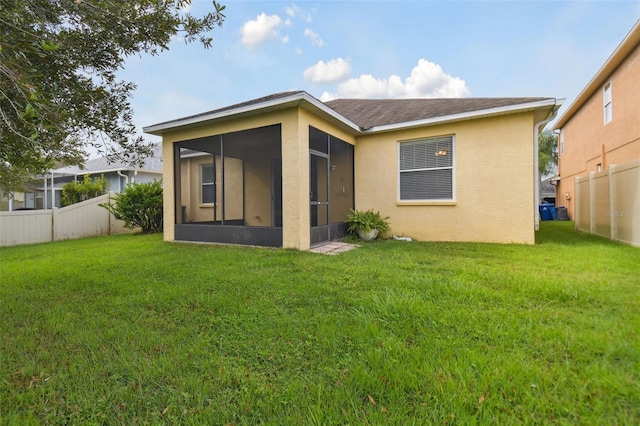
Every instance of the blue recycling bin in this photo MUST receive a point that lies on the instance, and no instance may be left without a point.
(547, 212)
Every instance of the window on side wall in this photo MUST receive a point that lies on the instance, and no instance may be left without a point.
(561, 141)
(608, 105)
(426, 169)
(207, 184)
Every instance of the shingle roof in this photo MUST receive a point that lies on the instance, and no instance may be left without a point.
(152, 163)
(368, 113)
(361, 114)
(257, 101)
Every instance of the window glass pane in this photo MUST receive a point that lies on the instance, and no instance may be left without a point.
(426, 154)
(426, 169)
(208, 193)
(427, 185)
(207, 173)
(607, 104)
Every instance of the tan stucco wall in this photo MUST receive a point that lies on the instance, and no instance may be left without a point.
(586, 136)
(493, 178)
(493, 182)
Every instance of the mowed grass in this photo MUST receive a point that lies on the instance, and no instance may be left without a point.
(133, 330)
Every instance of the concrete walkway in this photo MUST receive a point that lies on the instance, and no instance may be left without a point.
(333, 247)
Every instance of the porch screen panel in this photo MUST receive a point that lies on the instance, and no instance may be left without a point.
(341, 179)
(233, 190)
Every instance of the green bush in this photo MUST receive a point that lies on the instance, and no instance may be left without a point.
(75, 192)
(366, 221)
(139, 206)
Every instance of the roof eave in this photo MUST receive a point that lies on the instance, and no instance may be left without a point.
(300, 99)
(623, 50)
(510, 109)
(93, 172)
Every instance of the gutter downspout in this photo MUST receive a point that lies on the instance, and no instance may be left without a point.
(126, 179)
(536, 172)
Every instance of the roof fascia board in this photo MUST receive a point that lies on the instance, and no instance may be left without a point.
(296, 99)
(510, 109)
(93, 172)
(618, 56)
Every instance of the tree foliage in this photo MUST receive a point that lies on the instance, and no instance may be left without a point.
(75, 192)
(139, 206)
(547, 153)
(58, 85)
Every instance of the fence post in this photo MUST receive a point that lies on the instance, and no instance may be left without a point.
(109, 214)
(613, 202)
(54, 231)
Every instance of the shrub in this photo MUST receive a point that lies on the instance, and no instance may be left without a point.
(75, 192)
(139, 206)
(365, 221)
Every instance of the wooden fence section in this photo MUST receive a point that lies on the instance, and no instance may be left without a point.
(608, 203)
(85, 219)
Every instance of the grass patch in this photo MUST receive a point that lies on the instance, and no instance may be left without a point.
(129, 329)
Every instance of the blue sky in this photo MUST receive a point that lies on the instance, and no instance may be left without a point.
(377, 49)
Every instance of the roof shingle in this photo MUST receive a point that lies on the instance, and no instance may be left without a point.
(368, 113)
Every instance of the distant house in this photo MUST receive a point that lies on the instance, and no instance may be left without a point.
(602, 125)
(548, 190)
(40, 193)
(285, 169)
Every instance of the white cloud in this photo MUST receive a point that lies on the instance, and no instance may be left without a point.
(315, 38)
(285, 39)
(328, 96)
(260, 30)
(427, 80)
(323, 72)
(295, 12)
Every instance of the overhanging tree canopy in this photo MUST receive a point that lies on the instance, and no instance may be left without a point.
(58, 85)
(547, 153)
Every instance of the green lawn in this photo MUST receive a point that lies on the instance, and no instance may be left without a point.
(132, 330)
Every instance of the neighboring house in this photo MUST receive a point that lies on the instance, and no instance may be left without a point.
(39, 194)
(548, 190)
(602, 125)
(285, 169)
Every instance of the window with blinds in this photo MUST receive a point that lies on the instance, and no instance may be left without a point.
(207, 182)
(426, 169)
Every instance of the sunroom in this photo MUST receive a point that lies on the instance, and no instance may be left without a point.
(244, 181)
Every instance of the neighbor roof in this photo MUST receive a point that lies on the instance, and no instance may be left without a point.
(102, 165)
(360, 116)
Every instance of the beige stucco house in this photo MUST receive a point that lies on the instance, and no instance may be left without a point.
(285, 169)
(602, 125)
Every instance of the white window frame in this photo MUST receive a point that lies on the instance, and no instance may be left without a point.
(607, 103)
(203, 183)
(561, 141)
(452, 167)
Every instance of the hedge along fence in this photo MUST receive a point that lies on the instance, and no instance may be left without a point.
(608, 203)
(84, 219)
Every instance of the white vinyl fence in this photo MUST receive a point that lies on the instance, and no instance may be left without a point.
(608, 203)
(85, 219)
